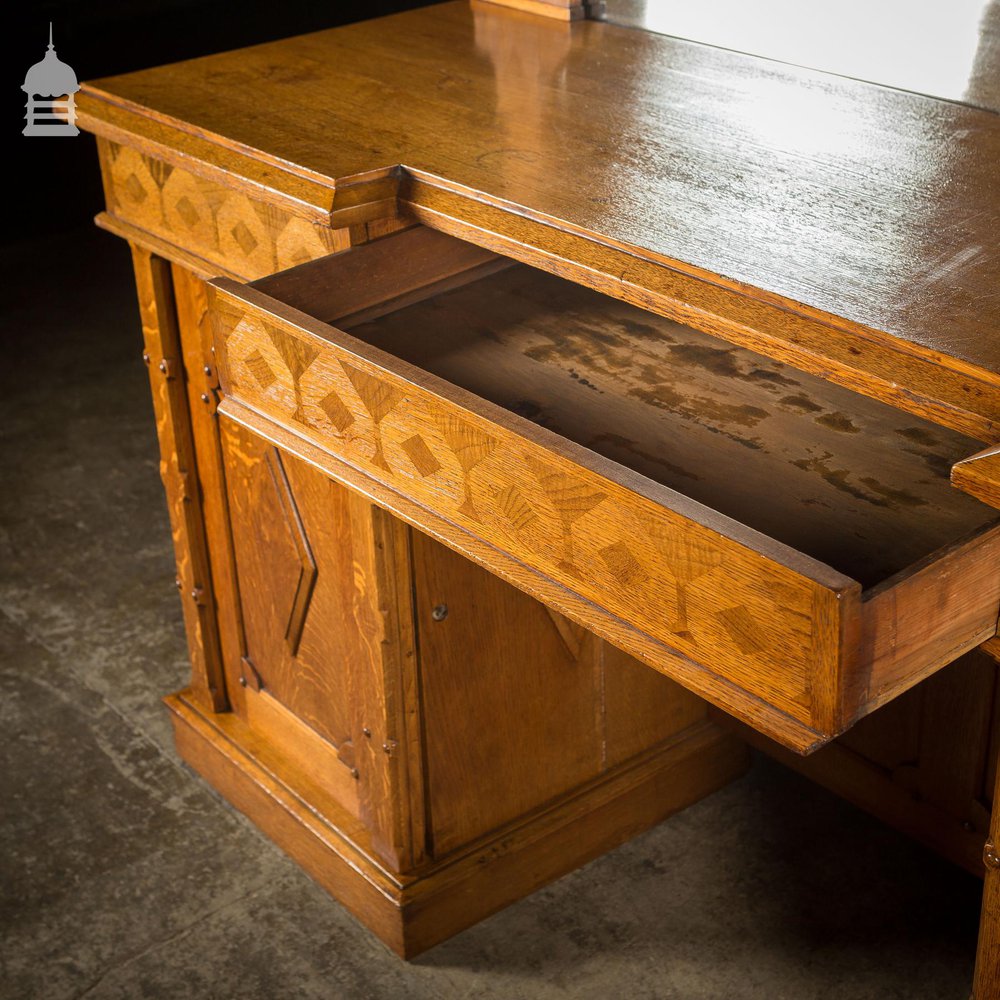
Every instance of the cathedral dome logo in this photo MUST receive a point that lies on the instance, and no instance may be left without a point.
(50, 86)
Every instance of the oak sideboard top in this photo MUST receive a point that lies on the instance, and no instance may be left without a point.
(847, 227)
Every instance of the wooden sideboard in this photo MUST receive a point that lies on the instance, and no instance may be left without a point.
(547, 408)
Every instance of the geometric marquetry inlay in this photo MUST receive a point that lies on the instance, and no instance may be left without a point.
(223, 226)
(187, 211)
(470, 446)
(623, 565)
(260, 370)
(378, 398)
(420, 455)
(246, 239)
(683, 584)
(337, 412)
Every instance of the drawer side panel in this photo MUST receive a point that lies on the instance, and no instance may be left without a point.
(926, 618)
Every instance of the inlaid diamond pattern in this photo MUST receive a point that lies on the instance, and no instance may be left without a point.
(135, 190)
(246, 240)
(260, 370)
(333, 406)
(624, 567)
(217, 222)
(187, 211)
(420, 455)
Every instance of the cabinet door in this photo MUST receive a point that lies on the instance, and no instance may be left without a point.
(325, 632)
(520, 704)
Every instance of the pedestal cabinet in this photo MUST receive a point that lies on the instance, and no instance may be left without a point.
(430, 742)
(510, 496)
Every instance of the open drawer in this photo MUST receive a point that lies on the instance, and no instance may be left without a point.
(786, 548)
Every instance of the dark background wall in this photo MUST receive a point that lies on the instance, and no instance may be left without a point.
(53, 183)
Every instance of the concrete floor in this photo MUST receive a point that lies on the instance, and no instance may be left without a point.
(122, 875)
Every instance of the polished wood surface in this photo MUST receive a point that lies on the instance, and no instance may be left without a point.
(946, 50)
(563, 10)
(979, 476)
(838, 228)
(200, 377)
(581, 610)
(291, 531)
(867, 210)
(917, 384)
(327, 640)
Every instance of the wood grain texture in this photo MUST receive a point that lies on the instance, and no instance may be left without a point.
(240, 169)
(384, 697)
(704, 585)
(918, 622)
(903, 763)
(640, 708)
(229, 229)
(384, 276)
(291, 535)
(853, 483)
(411, 913)
(318, 833)
(325, 606)
(890, 371)
(691, 158)
(508, 706)
(692, 675)
(518, 702)
(526, 856)
(178, 470)
(979, 476)
(194, 325)
(952, 773)
(947, 51)
(320, 763)
(861, 782)
(570, 11)
(194, 264)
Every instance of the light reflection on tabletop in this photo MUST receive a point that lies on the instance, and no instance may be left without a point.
(943, 49)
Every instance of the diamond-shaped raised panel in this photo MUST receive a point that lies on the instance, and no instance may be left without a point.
(307, 562)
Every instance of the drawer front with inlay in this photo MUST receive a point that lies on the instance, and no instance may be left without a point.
(693, 541)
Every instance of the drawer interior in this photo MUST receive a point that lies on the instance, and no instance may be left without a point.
(852, 482)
